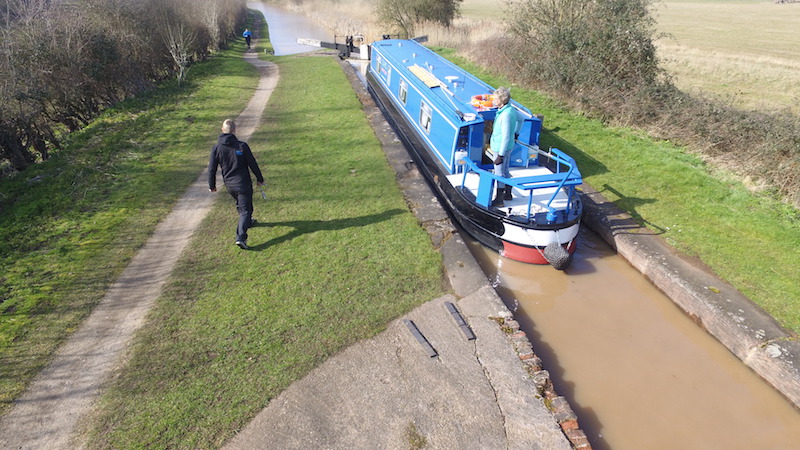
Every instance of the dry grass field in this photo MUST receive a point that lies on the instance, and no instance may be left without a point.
(746, 52)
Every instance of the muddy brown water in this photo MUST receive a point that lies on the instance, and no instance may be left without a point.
(638, 372)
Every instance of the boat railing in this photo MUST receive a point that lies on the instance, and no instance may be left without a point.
(565, 176)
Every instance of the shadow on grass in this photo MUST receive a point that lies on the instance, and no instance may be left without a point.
(302, 227)
(590, 166)
(586, 164)
(630, 204)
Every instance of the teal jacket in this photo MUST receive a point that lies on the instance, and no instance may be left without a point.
(505, 126)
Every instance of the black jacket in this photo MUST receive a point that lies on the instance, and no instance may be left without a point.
(236, 161)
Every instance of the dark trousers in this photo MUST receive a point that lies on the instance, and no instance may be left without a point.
(502, 169)
(247, 39)
(244, 205)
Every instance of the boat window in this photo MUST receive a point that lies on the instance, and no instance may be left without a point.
(425, 117)
(403, 91)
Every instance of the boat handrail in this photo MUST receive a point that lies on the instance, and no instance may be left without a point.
(569, 178)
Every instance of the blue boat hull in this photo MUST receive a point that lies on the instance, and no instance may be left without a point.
(488, 225)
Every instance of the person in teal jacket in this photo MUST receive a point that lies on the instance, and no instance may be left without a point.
(502, 140)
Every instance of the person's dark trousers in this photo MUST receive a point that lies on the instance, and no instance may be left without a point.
(244, 204)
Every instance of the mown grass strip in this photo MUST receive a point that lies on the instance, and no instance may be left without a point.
(70, 225)
(336, 255)
(749, 240)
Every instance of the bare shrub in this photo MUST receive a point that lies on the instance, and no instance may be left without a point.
(61, 63)
(600, 50)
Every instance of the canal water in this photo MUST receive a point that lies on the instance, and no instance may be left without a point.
(639, 373)
(285, 28)
(636, 370)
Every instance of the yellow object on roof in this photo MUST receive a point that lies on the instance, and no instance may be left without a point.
(428, 78)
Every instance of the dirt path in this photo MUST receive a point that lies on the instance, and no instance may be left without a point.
(48, 414)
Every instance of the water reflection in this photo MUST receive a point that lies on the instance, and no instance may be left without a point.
(285, 27)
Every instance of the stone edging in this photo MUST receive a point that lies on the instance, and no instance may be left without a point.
(558, 405)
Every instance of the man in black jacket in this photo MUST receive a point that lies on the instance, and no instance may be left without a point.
(236, 160)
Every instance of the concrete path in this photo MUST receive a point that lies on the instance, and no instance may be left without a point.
(49, 414)
(389, 393)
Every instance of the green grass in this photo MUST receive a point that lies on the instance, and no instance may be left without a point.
(748, 240)
(336, 255)
(65, 238)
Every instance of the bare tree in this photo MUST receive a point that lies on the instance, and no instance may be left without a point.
(404, 15)
(179, 40)
(398, 15)
(210, 14)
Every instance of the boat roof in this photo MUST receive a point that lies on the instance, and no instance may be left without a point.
(451, 85)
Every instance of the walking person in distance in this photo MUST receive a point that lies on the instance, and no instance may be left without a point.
(247, 34)
(237, 161)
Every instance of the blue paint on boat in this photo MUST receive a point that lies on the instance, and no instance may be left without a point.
(444, 117)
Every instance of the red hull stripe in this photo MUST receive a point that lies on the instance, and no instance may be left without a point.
(530, 255)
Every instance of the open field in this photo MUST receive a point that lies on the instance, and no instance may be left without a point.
(746, 52)
(483, 9)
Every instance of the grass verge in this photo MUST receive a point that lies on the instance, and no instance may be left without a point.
(335, 255)
(69, 226)
(748, 240)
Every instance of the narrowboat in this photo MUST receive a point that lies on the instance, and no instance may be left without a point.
(444, 116)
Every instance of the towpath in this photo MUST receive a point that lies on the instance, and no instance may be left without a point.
(49, 414)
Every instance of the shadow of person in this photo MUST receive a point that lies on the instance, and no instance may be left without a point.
(301, 227)
(635, 221)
